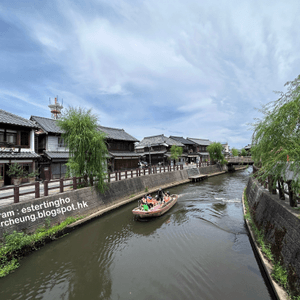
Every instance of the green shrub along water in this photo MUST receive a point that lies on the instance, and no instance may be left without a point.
(279, 273)
(17, 244)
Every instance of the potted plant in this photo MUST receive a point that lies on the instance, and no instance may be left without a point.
(31, 176)
(1, 181)
(15, 171)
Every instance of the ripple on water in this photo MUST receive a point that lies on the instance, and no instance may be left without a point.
(197, 250)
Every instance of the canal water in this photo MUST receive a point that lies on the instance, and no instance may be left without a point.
(198, 250)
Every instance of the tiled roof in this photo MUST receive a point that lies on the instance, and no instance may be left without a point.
(203, 153)
(7, 154)
(57, 154)
(182, 140)
(158, 140)
(9, 118)
(48, 125)
(125, 154)
(154, 152)
(200, 142)
(117, 134)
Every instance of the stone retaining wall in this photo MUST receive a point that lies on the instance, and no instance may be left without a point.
(281, 227)
(28, 215)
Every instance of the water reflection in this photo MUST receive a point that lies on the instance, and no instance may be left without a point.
(197, 250)
(220, 207)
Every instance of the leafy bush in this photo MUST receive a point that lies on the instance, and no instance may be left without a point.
(19, 240)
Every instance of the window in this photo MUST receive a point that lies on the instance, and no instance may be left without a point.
(11, 136)
(24, 138)
(61, 142)
(1, 135)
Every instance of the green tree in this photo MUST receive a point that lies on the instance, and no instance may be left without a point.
(276, 136)
(176, 152)
(243, 152)
(235, 152)
(215, 152)
(87, 149)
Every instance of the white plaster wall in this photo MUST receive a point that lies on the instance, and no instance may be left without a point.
(52, 144)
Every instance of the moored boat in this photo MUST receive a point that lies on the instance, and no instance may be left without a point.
(158, 208)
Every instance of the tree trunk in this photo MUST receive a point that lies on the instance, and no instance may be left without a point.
(292, 196)
(281, 190)
(272, 190)
(270, 183)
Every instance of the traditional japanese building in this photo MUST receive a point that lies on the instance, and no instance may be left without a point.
(156, 150)
(51, 147)
(16, 144)
(226, 149)
(201, 148)
(189, 151)
(120, 146)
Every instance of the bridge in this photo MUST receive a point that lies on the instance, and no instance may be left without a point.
(243, 160)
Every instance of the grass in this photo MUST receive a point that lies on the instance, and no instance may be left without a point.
(279, 273)
(11, 249)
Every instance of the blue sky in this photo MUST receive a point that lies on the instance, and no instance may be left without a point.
(188, 68)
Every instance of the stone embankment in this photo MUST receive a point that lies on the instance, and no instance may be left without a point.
(29, 215)
(281, 227)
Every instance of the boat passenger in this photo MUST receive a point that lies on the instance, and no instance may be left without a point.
(167, 197)
(160, 195)
(144, 200)
(149, 202)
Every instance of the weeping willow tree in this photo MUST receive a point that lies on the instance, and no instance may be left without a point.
(87, 149)
(276, 137)
(215, 151)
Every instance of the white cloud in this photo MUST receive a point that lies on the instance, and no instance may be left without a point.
(204, 65)
(14, 96)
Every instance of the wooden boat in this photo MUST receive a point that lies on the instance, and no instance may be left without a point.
(157, 210)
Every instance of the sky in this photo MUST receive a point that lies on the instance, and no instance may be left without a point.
(192, 68)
